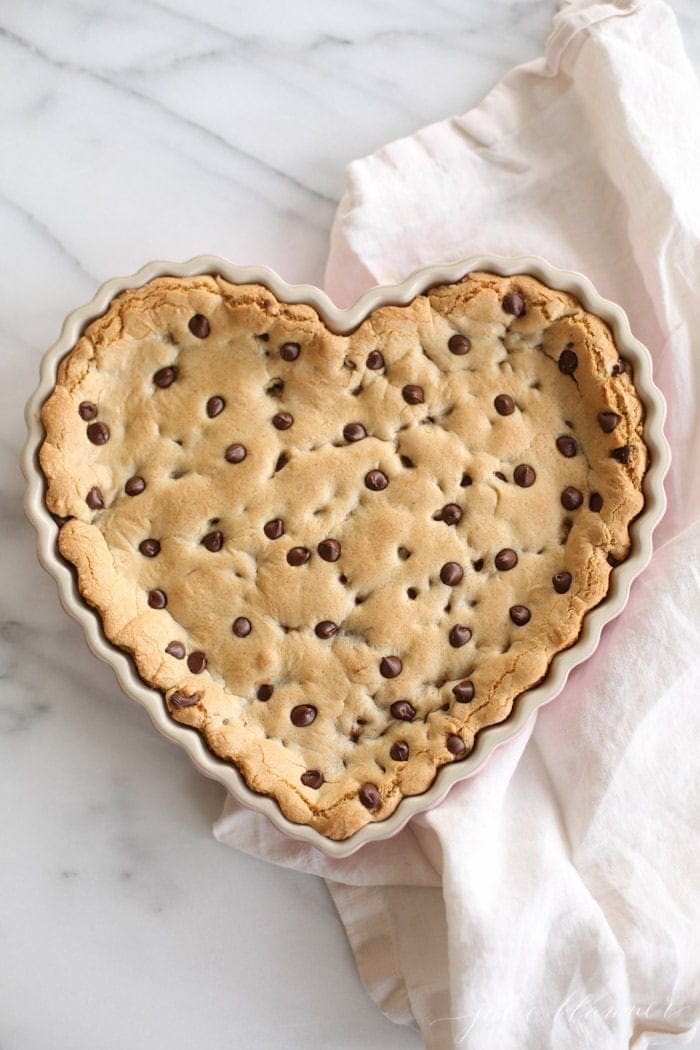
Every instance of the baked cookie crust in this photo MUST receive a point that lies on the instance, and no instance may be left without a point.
(341, 556)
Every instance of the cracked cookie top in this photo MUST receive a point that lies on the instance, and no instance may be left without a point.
(340, 556)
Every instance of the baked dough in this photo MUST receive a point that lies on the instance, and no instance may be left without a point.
(341, 556)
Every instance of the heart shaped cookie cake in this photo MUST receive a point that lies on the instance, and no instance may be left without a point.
(341, 556)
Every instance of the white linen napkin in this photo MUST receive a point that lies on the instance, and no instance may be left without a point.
(552, 900)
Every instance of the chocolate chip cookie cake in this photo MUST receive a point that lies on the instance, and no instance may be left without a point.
(339, 557)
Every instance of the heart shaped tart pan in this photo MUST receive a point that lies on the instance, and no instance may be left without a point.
(341, 552)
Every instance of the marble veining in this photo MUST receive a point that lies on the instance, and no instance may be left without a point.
(134, 130)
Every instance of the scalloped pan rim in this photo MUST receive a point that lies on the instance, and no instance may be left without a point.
(343, 321)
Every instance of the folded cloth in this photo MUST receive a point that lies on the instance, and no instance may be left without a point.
(552, 900)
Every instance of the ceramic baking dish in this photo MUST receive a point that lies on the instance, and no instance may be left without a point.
(342, 321)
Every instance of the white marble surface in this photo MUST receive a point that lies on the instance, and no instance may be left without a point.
(130, 130)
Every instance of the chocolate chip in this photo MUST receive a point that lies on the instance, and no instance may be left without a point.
(213, 541)
(149, 548)
(274, 529)
(619, 367)
(524, 476)
(283, 420)
(399, 751)
(199, 326)
(235, 454)
(241, 627)
(157, 599)
(451, 573)
(312, 778)
(459, 635)
(354, 432)
(94, 499)
(568, 362)
(175, 649)
(561, 581)
(197, 661)
(298, 555)
(98, 433)
(178, 699)
(135, 486)
(412, 593)
(506, 559)
(567, 445)
(413, 394)
(215, 406)
(504, 405)
(403, 553)
(463, 691)
(466, 481)
(459, 344)
(456, 746)
(376, 480)
(165, 377)
(608, 421)
(87, 410)
(303, 715)
(595, 502)
(390, 666)
(451, 514)
(282, 461)
(264, 692)
(325, 629)
(329, 549)
(500, 475)
(478, 564)
(623, 454)
(402, 710)
(566, 527)
(375, 361)
(519, 614)
(513, 303)
(571, 498)
(612, 561)
(370, 796)
(275, 387)
(290, 351)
